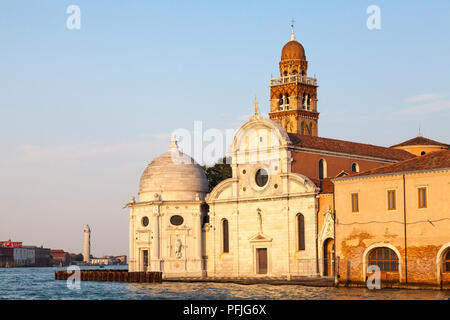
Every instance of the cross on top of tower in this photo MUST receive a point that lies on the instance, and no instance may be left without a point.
(292, 26)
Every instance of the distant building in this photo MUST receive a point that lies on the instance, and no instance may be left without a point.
(121, 259)
(24, 257)
(73, 258)
(10, 244)
(60, 257)
(102, 261)
(6, 257)
(42, 256)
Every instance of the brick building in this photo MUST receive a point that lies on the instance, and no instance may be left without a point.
(42, 256)
(398, 218)
(6, 257)
(60, 257)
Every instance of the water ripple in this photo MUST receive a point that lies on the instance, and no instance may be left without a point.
(39, 283)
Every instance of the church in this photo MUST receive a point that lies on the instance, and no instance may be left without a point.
(275, 217)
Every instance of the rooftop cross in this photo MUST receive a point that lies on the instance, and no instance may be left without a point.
(292, 26)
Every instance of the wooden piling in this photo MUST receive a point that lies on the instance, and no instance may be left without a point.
(112, 275)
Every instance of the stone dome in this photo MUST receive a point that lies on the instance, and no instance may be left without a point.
(173, 176)
(293, 50)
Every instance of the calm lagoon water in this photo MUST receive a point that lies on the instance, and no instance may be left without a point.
(39, 283)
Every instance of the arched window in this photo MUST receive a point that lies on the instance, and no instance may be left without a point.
(304, 101)
(300, 232)
(225, 238)
(385, 258)
(322, 169)
(285, 73)
(355, 167)
(280, 99)
(447, 261)
(302, 131)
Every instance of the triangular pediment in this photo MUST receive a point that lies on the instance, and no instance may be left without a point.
(260, 237)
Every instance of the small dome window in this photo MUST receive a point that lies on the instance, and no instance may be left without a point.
(176, 220)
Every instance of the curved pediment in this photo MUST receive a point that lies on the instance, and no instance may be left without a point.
(224, 190)
(299, 183)
(260, 138)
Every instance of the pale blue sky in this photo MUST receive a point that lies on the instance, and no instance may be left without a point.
(83, 111)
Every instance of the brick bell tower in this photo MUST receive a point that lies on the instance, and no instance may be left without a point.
(293, 96)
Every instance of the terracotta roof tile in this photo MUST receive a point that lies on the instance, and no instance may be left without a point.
(418, 141)
(348, 147)
(325, 185)
(431, 161)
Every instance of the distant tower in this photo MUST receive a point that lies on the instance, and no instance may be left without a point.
(293, 96)
(87, 244)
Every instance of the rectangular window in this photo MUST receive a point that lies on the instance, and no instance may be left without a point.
(422, 197)
(355, 202)
(226, 243)
(301, 232)
(145, 258)
(391, 200)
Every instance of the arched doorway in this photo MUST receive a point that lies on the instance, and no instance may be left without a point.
(328, 257)
(388, 261)
(446, 266)
(445, 269)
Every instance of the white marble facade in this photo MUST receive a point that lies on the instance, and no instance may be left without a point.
(261, 214)
(165, 225)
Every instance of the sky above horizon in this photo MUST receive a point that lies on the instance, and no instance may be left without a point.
(82, 112)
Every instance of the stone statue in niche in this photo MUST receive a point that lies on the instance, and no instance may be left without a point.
(258, 211)
(178, 247)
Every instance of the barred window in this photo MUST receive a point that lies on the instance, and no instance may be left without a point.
(422, 197)
(355, 202)
(385, 258)
(391, 200)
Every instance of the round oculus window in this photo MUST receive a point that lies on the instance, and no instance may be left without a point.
(261, 177)
(176, 220)
(145, 221)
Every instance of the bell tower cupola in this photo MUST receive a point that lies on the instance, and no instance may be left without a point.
(293, 95)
